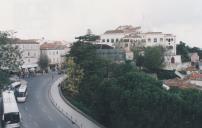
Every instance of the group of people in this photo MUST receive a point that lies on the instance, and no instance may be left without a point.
(27, 73)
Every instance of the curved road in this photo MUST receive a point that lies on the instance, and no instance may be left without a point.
(38, 111)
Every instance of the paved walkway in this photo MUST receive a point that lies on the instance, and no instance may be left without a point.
(67, 109)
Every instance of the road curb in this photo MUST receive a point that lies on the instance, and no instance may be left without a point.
(56, 105)
(71, 112)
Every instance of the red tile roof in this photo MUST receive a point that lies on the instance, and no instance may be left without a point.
(52, 46)
(20, 41)
(114, 31)
(153, 33)
(123, 29)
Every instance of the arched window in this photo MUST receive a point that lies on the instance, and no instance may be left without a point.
(172, 60)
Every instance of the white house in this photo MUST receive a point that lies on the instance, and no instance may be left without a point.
(131, 41)
(129, 37)
(56, 53)
(194, 57)
(111, 37)
(168, 41)
(30, 52)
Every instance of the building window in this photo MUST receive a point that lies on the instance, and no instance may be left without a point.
(107, 40)
(161, 39)
(57, 52)
(149, 39)
(103, 40)
(28, 53)
(112, 40)
(126, 45)
(172, 60)
(29, 60)
(126, 40)
(117, 40)
(168, 39)
(155, 40)
(171, 39)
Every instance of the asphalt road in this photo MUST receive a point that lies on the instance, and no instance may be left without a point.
(38, 111)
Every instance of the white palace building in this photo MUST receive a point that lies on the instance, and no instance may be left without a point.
(129, 37)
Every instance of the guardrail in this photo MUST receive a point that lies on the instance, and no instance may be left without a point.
(71, 112)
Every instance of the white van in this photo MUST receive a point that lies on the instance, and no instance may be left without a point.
(22, 93)
(11, 114)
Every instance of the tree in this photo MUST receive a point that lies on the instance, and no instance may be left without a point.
(10, 55)
(89, 37)
(43, 62)
(140, 60)
(129, 97)
(153, 58)
(183, 50)
(4, 78)
(138, 57)
(74, 76)
(4, 38)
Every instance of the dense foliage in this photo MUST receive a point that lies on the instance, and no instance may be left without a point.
(166, 74)
(74, 76)
(10, 57)
(184, 50)
(152, 59)
(120, 96)
(3, 78)
(43, 61)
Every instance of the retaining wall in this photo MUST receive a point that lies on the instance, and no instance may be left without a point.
(68, 110)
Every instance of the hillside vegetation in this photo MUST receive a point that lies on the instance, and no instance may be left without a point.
(121, 96)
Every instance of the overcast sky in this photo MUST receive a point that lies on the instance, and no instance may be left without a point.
(65, 19)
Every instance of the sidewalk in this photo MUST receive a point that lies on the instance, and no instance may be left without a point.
(67, 109)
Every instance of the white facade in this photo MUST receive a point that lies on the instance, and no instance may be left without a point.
(30, 52)
(172, 62)
(130, 42)
(168, 41)
(111, 39)
(134, 36)
(129, 37)
(55, 56)
(55, 52)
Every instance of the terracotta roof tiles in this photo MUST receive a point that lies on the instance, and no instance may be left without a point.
(52, 46)
(20, 41)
